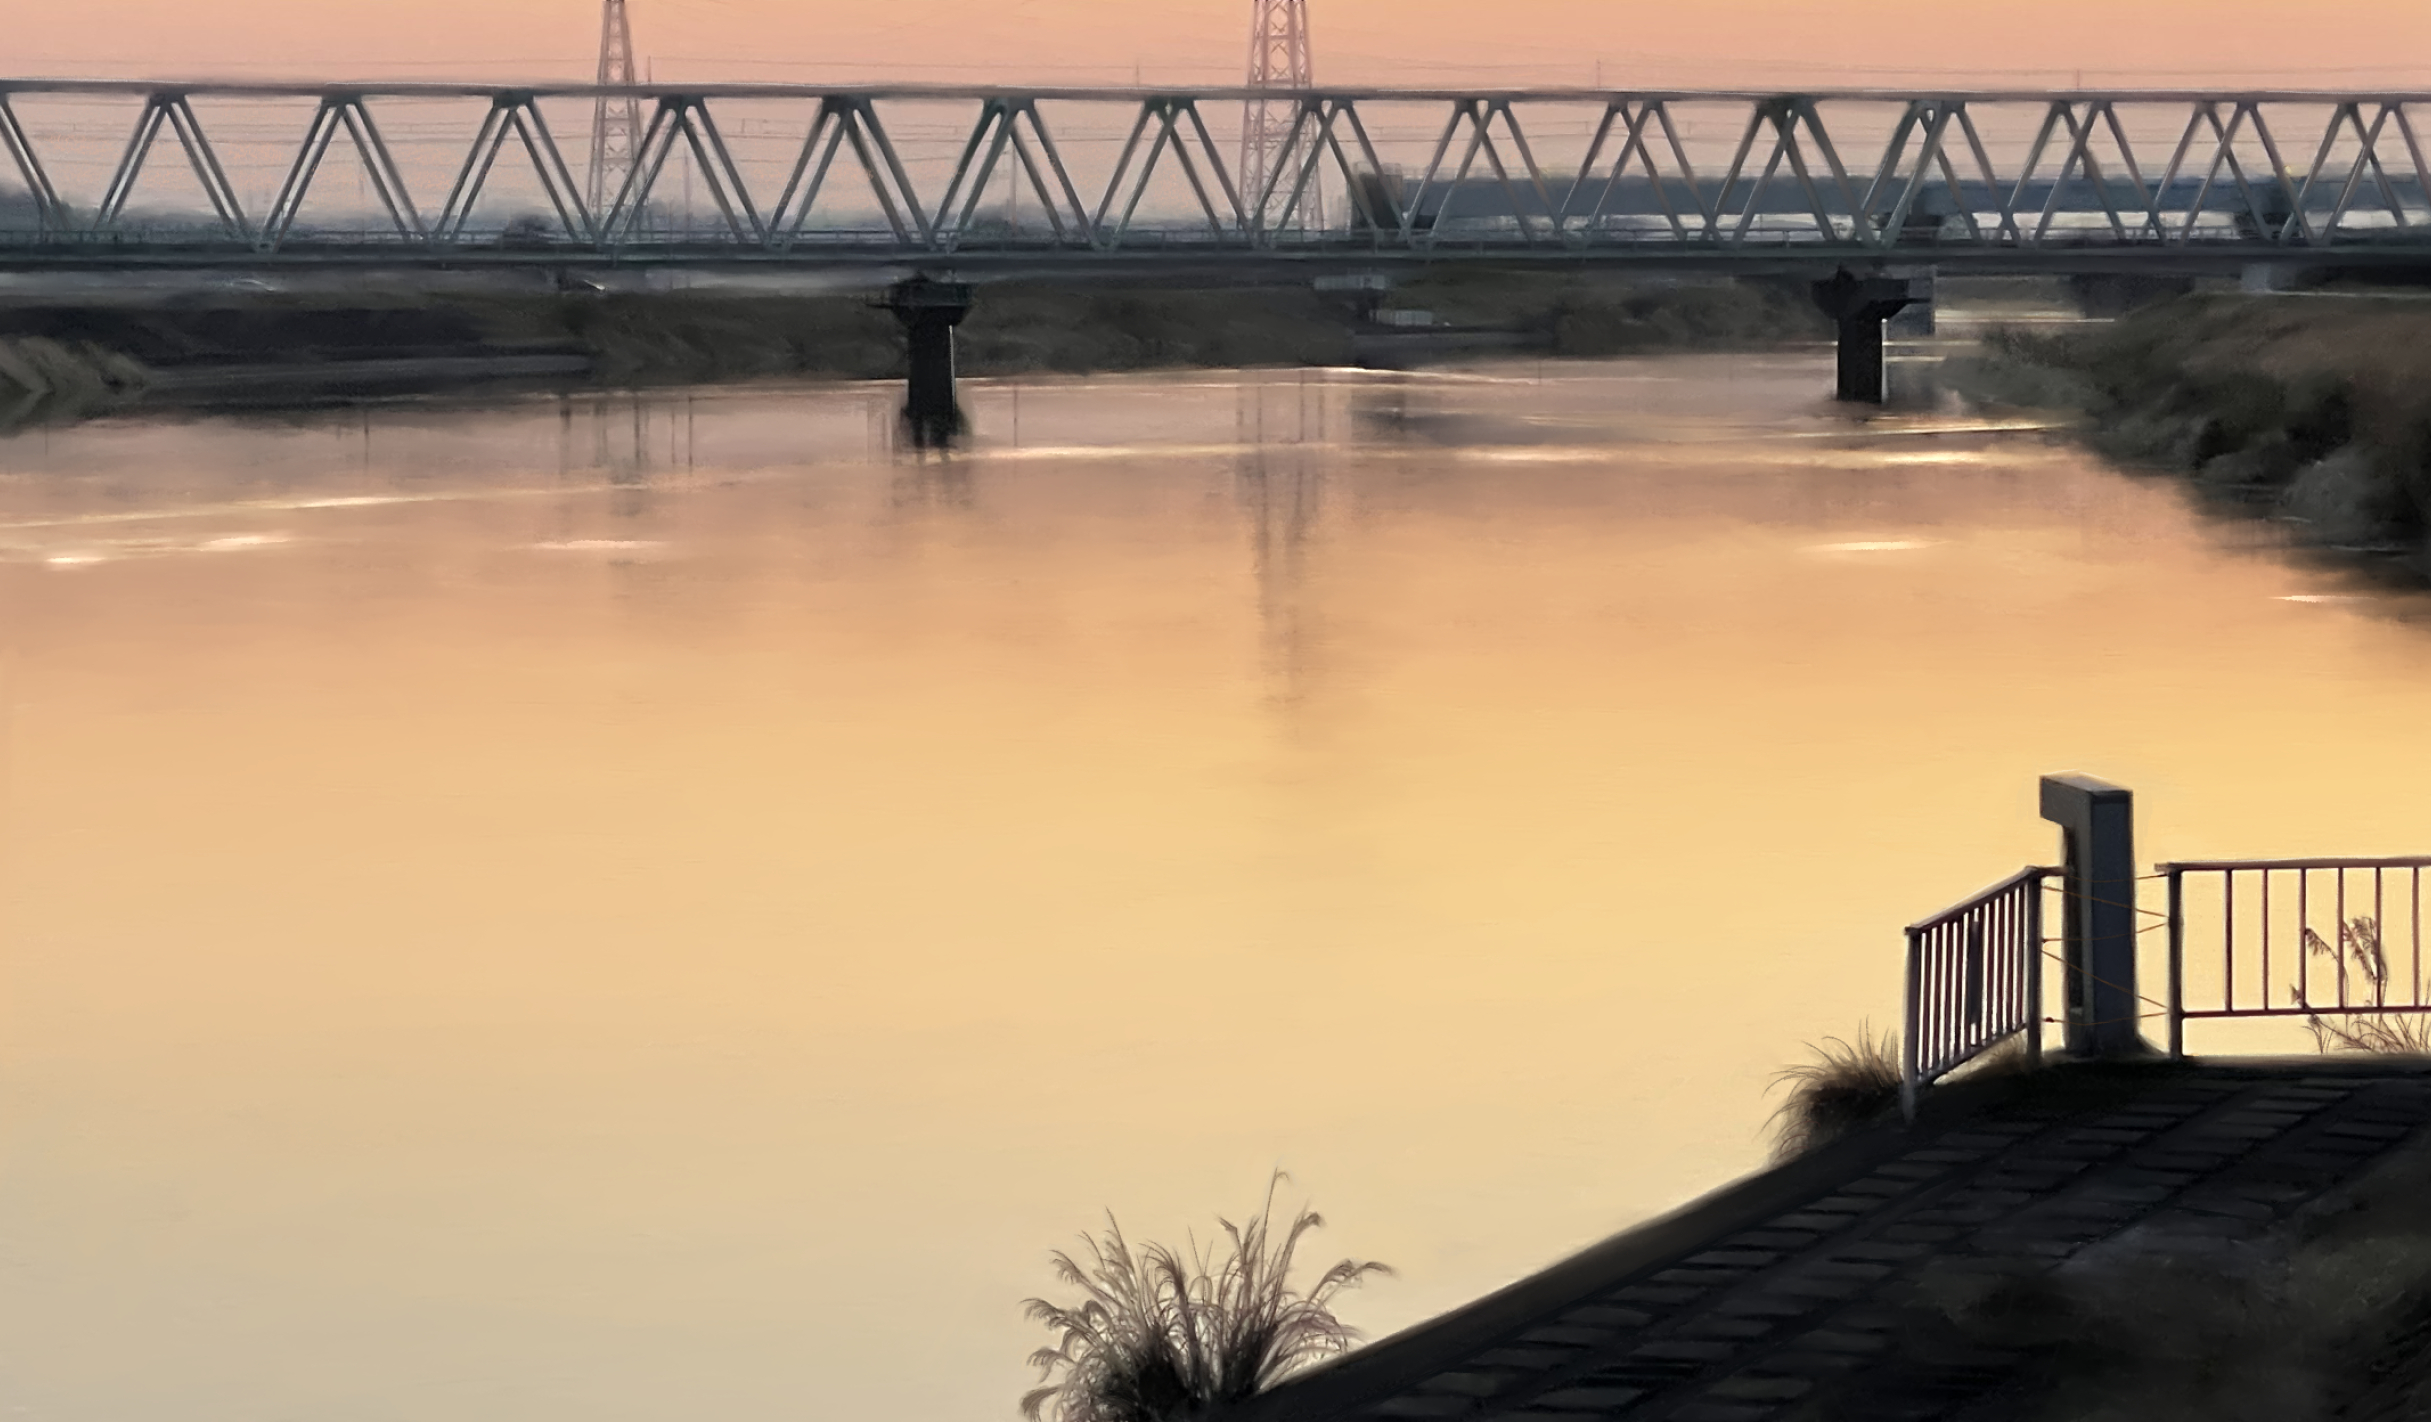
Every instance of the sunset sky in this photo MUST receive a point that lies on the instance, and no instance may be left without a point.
(1749, 42)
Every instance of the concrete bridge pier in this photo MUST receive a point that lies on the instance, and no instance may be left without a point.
(929, 311)
(1860, 305)
(1916, 319)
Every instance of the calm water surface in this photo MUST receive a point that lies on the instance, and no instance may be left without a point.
(657, 910)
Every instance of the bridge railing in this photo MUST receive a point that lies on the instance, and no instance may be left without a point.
(1974, 980)
(2334, 943)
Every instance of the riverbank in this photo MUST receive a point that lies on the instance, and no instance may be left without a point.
(62, 361)
(2314, 408)
(2235, 1239)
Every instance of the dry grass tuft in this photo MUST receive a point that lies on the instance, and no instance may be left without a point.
(1158, 1337)
(1848, 1085)
(2357, 956)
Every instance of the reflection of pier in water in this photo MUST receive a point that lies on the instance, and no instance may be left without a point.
(1279, 484)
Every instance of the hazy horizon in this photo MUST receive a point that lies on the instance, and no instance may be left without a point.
(2163, 43)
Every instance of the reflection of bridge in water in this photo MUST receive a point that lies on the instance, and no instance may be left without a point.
(1109, 179)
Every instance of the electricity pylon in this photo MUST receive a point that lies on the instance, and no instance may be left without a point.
(1278, 61)
(616, 124)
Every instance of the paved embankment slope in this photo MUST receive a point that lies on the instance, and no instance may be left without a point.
(1824, 1289)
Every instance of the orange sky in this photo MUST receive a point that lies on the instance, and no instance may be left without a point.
(1754, 42)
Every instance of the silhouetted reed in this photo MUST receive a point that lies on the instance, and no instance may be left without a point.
(2357, 955)
(1847, 1085)
(1158, 1337)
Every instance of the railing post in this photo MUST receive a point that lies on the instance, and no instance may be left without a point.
(2177, 965)
(2034, 974)
(1910, 1028)
(2102, 1004)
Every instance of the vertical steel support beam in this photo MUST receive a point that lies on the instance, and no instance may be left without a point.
(2034, 975)
(2177, 964)
(1912, 1027)
(2097, 820)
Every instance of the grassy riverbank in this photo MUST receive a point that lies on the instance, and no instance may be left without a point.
(267, 347)
(2316, 408)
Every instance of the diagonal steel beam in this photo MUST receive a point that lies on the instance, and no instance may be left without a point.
(1162, 111)
(130, 163)
(2414, 150)
(1616, 111)
(1824, 225)
(988, 135)
(207, 170)
(1929, 157)
(1738, 165)
(1770, 114)
(1122, 168)
(387, 179)
(2380, 171)
(48, 213)
(1070, 192)
(1894, 154)
(1468, 162)
(1426, 179)
(283, 208)
(622, 221)
(1362, 202)
(2280, 175)
(1320, 118)
(723, 177)
(470, 178)
(550, 165)
(1270, 182)
(2006, 229)
(2127, 161)
(1679, 157)
(1190, 170)
(876, 150)
(1536, 172)
(1805, 108)
(846, 119)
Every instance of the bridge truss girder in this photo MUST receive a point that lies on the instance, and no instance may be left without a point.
(1934, 192)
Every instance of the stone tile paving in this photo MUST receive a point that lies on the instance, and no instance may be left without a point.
(1750, 1326)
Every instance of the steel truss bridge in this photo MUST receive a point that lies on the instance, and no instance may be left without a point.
(2156, 180)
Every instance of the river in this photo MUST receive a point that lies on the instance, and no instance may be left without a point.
(648, 908)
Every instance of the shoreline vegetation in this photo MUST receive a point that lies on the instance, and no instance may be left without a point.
(1160, 1335)
(2311, 408)
(64, 360)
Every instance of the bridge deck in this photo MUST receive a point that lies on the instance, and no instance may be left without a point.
(1795, 1293)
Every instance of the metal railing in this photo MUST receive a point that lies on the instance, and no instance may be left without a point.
(1975, 979)
(2275, 959)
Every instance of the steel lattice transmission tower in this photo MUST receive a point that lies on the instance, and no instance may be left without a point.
(1278, 60)
(616, 124)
